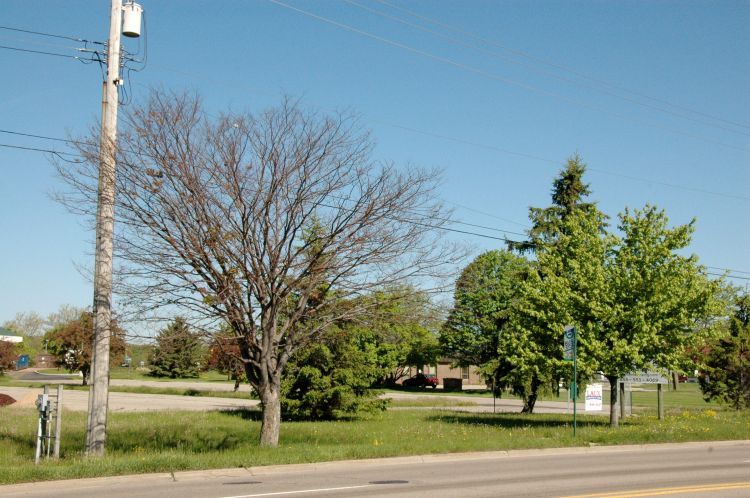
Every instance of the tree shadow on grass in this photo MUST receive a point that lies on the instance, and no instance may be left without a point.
(245, 414)
(511, 421)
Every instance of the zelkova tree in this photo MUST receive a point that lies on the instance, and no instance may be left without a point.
(656, 299)
(263, 222)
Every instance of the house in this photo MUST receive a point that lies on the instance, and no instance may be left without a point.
(10, 336)
(469, 375)
(444, 369)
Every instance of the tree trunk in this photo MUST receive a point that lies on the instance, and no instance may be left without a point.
(675, 380)
(271, 405)
(614, 412)
(530, 400)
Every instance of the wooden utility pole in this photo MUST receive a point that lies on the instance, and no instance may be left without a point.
(96, 425)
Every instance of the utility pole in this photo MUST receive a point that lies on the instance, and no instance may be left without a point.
(96, 424)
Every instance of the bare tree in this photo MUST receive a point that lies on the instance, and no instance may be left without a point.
(266, 223)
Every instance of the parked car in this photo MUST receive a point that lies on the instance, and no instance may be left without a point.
(421, 380)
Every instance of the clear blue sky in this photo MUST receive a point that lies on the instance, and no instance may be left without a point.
(655, 96)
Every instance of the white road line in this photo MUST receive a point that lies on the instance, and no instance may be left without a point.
(301, 491)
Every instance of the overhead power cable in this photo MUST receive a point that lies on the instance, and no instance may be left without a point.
(558, 66)
(496, 77)
(42, 52)
(486, 146)
(36, 149)
(51, 35)
(447, 229)
(464, 232)
(551, 74)
(502, 150)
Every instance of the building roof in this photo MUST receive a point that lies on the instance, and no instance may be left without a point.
(9, 335)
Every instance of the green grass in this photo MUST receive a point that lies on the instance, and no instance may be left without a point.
(142, 374)
(163, 442)
(645, 398)
(428, 402)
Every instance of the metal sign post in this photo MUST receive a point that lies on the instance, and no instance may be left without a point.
(570, 344)
(650, 377)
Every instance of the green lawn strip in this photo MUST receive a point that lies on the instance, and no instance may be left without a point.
(175, 391)
(644, 396)
(142, 374)
(172, 441)
(427, 402)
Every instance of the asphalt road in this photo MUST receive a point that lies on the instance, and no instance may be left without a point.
(682, 470)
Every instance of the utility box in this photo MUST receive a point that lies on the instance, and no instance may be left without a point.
(22, 362)
(451, 384)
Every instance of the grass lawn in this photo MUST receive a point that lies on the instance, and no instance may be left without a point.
(171, 441)
(142, 374)
(644, 397)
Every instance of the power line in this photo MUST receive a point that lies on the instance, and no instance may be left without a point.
(466, 232)
(35, 149)
(447, 229)
(728, 270)
(727, 276)
(542, 71)
(40, 33)
(502, 150)
(551, 161)
(41, 52)
(481, 72)
(562, 67)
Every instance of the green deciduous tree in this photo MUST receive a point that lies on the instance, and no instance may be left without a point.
(479, 331)
(655, 298)
(726, 360)
(401, 331)
(71, 343)
(634, 299)
(178, 351)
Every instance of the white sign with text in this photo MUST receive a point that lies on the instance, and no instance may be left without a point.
(594, 398)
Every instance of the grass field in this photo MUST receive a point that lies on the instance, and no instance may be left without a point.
(163, 442)
(142, 374)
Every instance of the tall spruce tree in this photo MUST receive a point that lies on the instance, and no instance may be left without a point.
(569, 244)
(177, 352)
(727, 360)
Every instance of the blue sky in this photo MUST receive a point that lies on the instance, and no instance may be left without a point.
(498, 94)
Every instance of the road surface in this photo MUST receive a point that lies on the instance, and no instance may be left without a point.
(720, 469)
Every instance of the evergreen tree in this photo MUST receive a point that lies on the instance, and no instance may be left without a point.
(727, 360)
(177, 352)
(330, 379)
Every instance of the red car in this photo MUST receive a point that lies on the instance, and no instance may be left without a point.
(421, 380)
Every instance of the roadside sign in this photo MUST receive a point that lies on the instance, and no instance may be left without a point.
(645, 378)
(569, 343)
(594, 398)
